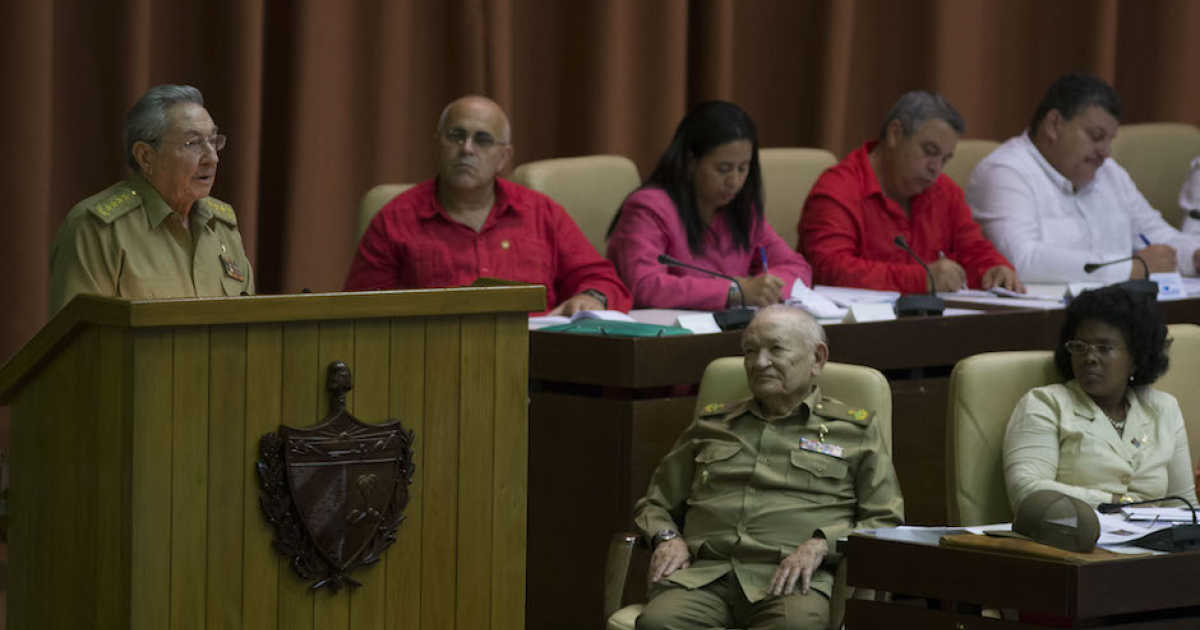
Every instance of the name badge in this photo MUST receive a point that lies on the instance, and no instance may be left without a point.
(825, 448)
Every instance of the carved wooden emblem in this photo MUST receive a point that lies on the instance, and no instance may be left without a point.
(335, 492)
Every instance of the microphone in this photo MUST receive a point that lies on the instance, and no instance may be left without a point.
(730, 319)
(916, 305)
(1195, 214)
(1184, 537)
(1090, 267)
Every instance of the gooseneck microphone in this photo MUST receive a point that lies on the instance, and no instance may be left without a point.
(916, 304)
(1184, 537)
(729, 319)
(1090, 267)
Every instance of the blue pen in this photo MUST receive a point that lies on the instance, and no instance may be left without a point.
(762, 252)
(1144, 239)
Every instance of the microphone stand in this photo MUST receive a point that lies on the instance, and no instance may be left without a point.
(918, 304)
(1184, 537)
(729, 319)
(1144, 286)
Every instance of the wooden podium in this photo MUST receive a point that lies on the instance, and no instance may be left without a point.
(135, 431)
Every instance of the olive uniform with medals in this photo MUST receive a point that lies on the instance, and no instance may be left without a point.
(748, 492)
(127, 242)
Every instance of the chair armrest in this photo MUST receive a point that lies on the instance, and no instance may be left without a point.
(616, 569)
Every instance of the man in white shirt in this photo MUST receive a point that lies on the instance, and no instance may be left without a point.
(1052, 201)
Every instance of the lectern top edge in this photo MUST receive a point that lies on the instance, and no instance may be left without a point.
(91, 310)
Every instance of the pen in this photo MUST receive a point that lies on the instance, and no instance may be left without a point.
(1144, 239)
(762, 251)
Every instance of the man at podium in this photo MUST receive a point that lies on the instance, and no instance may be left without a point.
(467, 223)
(157, 234)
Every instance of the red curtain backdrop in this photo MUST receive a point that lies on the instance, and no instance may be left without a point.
(322, 99)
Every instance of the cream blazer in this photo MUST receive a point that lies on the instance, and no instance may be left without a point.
(1059, 439)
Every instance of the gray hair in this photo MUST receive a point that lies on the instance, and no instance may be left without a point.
(916, 107)
(805, 324)
(146, 121)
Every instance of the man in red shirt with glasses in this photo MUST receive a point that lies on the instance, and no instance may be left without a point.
(467, 223)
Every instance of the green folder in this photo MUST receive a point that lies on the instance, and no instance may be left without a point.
(617, 329)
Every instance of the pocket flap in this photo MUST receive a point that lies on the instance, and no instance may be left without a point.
(819, 465)
(716, 452)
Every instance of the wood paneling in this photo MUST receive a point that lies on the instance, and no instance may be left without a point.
(150, 563)
(262, 566)
(189, 470)
(406, 389)
(228, 467)
(439, 473)
(136, 497)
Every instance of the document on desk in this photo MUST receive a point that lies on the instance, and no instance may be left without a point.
(543, 321)
(1118, 530)
(1160, 514)
(845, 296)
(1003, 297)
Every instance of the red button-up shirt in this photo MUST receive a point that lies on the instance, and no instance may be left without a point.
(413, 243)
(848, 227)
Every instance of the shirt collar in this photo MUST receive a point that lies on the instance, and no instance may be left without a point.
(156, 207)
(1058, 179)
(802, 411)
(506, 201)
(1085, 407)
(870, 183)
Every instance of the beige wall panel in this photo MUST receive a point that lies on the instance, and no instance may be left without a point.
(262, 564)
(476, 437)
(229, 465)
(510, 472)
(150, 570)
(440, 473)
(331, 611)
(406, 386)
(189, 478)
(372, 345)
(301, 385)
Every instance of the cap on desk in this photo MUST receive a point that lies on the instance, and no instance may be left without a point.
(1053, 518)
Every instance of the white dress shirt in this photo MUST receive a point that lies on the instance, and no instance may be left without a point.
(1189, 199)
(1049, 231)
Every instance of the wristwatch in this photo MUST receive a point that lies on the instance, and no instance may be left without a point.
(734, 298)
(663, 536)
(598, 295)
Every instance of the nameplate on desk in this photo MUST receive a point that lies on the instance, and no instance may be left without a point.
(1170, 285)
(862, 313)
(698, 323)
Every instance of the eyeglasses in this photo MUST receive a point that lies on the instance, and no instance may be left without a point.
(195, 146)
(481, 139)
(1079, 348)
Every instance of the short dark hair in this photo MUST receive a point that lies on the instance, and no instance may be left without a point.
(709, 125)
(1135, 315)
(919, 106)
(1072, 93)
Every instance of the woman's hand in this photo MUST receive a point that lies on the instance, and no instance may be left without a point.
(761, 290)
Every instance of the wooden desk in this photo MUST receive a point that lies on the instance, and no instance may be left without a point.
(1142, 592)
(603, 412)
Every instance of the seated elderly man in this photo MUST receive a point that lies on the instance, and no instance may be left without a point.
(1053, 201)
(468, 223)
(762, 488)
(157, 234)
(892, 187)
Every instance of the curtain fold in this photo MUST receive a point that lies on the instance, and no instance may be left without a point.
(322, 99)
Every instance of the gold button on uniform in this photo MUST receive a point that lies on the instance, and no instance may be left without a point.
(1125, 479)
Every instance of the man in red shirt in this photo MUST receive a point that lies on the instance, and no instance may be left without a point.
(895, 186)
(467, 223)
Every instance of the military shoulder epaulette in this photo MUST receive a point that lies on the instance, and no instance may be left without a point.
(837, 410)
(221, 210)
(120, 200)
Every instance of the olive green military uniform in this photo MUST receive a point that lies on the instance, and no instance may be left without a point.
(748, 492)
(126, 242)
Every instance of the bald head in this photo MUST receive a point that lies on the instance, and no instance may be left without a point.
(484, 107)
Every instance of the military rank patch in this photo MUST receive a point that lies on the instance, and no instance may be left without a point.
(825, 448)
(717, 407)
